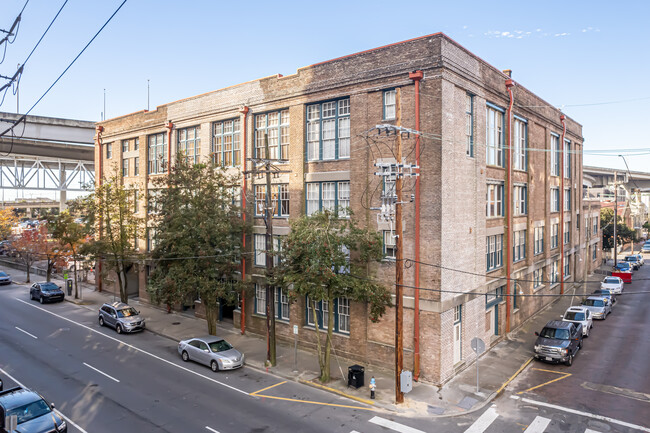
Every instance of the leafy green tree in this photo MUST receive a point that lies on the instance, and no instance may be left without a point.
(71, 234)
(324, 258)
(624, 234)
(198, 239)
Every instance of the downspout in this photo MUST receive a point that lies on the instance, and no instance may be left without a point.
(562, 117)
(416, 76)
(244, 111)
(100, 177)
(169, 127)
(509, 85)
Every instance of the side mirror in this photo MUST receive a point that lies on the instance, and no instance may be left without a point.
(537, 333)
(52, 405)
(206, 350)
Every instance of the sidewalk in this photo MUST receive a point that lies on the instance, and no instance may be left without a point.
(458, 396)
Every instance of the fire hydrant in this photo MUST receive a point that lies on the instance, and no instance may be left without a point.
(373, 386)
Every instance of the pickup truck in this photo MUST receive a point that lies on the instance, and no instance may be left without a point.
(558, 342)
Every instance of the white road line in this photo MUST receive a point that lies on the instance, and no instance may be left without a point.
(484, 421)
(394, 425)
(591, 431)
(538, 425)
(31, 335)
(211, 429)
(101, 372)
(135, 348)
(57, 411)
(578, 412)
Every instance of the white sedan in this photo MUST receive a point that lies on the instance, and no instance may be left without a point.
(580, 315)
(613, 284)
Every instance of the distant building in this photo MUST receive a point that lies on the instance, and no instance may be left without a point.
(323, 121)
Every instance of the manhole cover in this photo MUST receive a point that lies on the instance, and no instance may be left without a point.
(176, 323)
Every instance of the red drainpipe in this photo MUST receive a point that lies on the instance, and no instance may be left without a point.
(562, 117)
(244, 112)
(98, 145)
(416, 76)
(509, 85)
(169, 127)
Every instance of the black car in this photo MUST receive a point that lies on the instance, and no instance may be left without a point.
(33, 413)
(558, 342)
(46, 292)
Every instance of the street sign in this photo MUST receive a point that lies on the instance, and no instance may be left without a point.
(295, 329)
(478, 345)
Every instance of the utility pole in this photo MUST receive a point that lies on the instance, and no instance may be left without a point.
(615, 217)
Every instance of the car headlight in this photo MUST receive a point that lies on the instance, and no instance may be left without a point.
(536, 348)
(62, 426)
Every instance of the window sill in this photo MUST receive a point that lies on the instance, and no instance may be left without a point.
(537, 289)
(494, 269)
(516, 310)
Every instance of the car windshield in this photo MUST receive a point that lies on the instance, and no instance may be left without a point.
(127, 312)
(630, 259)
(220, 346)
(558, 334)
(30, 411)
(3, 274)
(594, 303)
(574, 315)
(48, 287)
(603, 292)
(611, 281)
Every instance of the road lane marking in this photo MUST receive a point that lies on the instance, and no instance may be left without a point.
(320, 403)
(31, 335)
(484, 421)
(538, 425)
(564, 376)
(394, 425)
(268, 387)
(591, 431)
(524, 365)
(615, 390)
(72, 423)
(101, 372)
(211, 429)
(579, 412)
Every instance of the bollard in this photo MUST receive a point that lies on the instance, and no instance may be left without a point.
(373, 386)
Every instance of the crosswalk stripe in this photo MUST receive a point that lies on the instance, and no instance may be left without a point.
(538, 425)
(394, 425)
(484, 421)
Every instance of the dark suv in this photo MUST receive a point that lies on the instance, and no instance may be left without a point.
(120, 316)
(33, 413)
(558, 342)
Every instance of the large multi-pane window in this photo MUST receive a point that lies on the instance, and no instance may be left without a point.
(469, 124)
(567, 263)
(328, 130)
(494, 200)
(520, 200)
(555, 155)
(594, 251)
(189, 144)
(539, 240)
(260, 249)
(153, 202)
(495, 137)
(554, 235)
(279, 199)
(390, 104)
(519, 245)
(273, 127)
(553, 273)
(538, 278)
(567, 159)
(260, 299)
(281, 304)
(494, 252)
(341, 309)
(520, 144)
(136, 166)
(567, 232)
(555, 199)
(109, 150)
(331, 196)
(595, 225)
(136, 143)
(157, 153)
(226, 145)
(125, 146)
(567, 199)
(125, 167)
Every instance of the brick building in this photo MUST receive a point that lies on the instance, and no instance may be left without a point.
(322, 120)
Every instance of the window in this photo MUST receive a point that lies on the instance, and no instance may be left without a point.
(136, 166)
(226, 143)
(554, 234)
(136, 201)
(341, 315)
(458, 313)
(493, 297)
(594, 251)
(538, 278)
(494, 139)
(520, 196)
(125, 167)
(539, 240)
(595, 226)
(554, 268)
(567, 232)
(153, 204)
(331, 196)
(260, 249)
(555, 155)
(136, 143)
(328, 130)
(260, 299)
(519, 246)
(344, 315)
(275, 126)
(469, 124)
(157, 153)
(566, 272)
(567, 159)
(555, 199)
(189, 144)
(567, 199)
(520, 144)
(389, 104)
(389, 244)
(151, 238)
(109, 150)
(125, 146)
(281, 304)
(494, 252)
(494, 198)
(278, 192)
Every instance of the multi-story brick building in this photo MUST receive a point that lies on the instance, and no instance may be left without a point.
(493, 173)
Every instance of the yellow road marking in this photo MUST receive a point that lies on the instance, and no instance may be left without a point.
(514, 375)
(313, 402)
(268, 387)
(564, 376)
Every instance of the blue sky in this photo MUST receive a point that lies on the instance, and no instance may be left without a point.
(579, 55)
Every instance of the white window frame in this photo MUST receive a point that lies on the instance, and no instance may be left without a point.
(494, 200)
(328, 130)
(260, 249)
(555, 155)
(494, 136)
(469, 124)
(555, 199)
(260, 299)
(188, 141)
(520, 200)
(567, 159)
(519, 246)
(555, 227)
(539, 240)
(520, 140)
(567, 199)
(390, 104)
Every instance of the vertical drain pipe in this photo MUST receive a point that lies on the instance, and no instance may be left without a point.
(509, 85)
(98, 145)
(562, 118)
(244, 112)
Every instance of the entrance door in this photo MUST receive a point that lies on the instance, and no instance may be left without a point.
(457, 341)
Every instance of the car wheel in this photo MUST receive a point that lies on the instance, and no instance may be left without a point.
(569, 361)
(31, 296)
(41, 300)
(214, 366)
(118, 329)
(101, 321)
(185, 356)
(580, 345)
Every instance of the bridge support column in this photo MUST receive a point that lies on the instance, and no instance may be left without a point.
(62, 193)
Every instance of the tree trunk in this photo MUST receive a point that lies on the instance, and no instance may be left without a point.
(28, 267)
(211, 317)
(76, 282)
(318, 345)
(48, 274)
(123, 296)
(328, 341)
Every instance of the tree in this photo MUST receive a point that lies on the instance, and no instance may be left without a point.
(623, 232)
(118, 227)
(8, 220)
(28, 247)
(198, 228)
(325, 258)
(71, 235)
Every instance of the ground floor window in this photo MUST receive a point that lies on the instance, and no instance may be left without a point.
(341, 314)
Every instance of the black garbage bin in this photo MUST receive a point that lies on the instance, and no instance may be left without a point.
(355, 376)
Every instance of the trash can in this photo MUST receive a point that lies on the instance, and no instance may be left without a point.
(355, 376)
(68, 285)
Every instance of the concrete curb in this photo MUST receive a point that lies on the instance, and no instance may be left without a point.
(336, 391)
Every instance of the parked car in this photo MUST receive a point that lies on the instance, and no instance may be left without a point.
(33, 413)
(615, 284)
(46, 292)
(121, 317)
(622, 267)
(605, 293)
(5, 278)
(558, 342)
(212, 351)
(633, 260)
(599, 307)
(0, 384)
(645, 248)
(579, 315)
(641, 259)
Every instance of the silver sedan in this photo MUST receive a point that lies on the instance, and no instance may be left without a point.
(599, 306)
(613, 284)
(212, 351)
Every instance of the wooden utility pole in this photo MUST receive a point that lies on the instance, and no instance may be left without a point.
(399, 263)
(270, 290)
